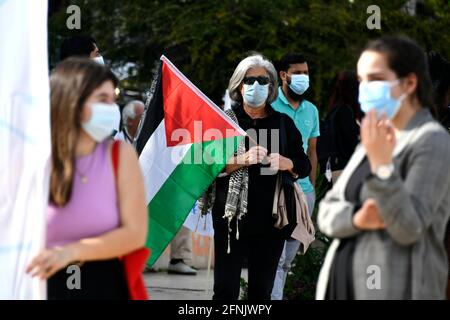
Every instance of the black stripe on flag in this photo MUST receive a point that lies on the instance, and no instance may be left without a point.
(153, 115)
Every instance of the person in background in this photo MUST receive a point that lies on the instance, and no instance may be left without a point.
(345, 114)
(92, 219)
(440, 77)
(242, 210)
(131, 117)
(389, 209)
(81, 46)
(294, 73)
(181, 252)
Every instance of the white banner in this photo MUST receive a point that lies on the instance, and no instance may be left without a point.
(198, 224)
(24, 143)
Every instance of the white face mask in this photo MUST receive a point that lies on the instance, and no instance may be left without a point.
(255, 95)
(299, 83)
(105, 118)
(99, 60)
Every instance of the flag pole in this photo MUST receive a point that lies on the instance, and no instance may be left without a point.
(208, 272)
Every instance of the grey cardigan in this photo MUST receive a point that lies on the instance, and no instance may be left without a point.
(408, 259)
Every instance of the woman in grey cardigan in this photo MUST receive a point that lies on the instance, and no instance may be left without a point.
(388, 210)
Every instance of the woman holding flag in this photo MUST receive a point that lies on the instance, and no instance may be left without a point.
(242, 211)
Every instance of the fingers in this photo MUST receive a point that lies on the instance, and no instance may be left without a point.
(256, 155)
(259, 150)
(274, 160)
(390, 132)
(44, 265)
(50, 271)
(37, 262)
(376, 131)
(373, 125)
(369, 216)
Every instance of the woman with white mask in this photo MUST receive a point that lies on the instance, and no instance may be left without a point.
(244, 194)
(389, 209)
(92, 218)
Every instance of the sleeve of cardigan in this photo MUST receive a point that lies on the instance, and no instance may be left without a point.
(335, 215)
(302, 166)
(409, 207)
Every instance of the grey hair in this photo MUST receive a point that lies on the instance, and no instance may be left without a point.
(129, 111)
(253, 61)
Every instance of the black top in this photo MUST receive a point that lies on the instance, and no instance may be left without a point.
(445, 119)
(346, 136)
(340, 283)
(258, 220)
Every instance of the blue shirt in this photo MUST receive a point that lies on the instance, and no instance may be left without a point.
(306, 119)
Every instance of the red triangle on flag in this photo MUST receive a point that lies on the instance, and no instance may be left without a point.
(189, 116)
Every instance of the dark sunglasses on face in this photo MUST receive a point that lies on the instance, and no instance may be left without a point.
(261, 80)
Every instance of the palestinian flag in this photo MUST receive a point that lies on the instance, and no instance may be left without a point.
(184, 143)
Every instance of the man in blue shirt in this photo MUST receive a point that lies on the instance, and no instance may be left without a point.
(294, 74)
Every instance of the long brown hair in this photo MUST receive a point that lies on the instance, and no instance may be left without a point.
(71, 84)
(345, 92)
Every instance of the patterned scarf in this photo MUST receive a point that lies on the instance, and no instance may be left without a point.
(236, 203)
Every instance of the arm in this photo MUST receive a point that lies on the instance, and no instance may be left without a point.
(335, 216)
(130, 235)
(235, 163)
(312, 148)
(253, 156)
(301, 162)
(312, 155)
(408, 207)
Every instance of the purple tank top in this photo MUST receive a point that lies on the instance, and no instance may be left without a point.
(93, 208)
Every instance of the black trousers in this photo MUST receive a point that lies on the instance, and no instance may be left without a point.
(262, 253)
(100, 280)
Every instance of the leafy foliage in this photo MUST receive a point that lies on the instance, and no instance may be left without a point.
(207, 38)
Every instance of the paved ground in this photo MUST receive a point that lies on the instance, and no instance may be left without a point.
(164, 286)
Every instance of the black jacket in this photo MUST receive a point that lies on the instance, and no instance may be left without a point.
(258, 220)
(346, 136)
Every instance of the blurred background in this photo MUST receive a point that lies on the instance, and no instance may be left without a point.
(207, 38)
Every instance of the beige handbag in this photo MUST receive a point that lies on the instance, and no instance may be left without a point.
(304, 230)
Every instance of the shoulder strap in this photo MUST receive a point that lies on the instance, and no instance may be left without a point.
(115, 158)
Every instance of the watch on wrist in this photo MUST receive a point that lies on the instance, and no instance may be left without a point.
(385, 171)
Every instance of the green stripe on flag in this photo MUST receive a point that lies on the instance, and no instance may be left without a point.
(172, 203)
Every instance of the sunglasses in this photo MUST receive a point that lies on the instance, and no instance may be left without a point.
(261, 80)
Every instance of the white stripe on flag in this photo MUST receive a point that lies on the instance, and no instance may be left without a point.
(158, 161)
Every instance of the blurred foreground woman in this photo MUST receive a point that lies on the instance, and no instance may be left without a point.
(389, 209)
(97, 210)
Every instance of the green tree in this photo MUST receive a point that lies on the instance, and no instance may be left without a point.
(207, 38)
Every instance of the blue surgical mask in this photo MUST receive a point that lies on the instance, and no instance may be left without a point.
(377, 95)
(256, 94)
(105, 119)
(299, 83)
(99, 60)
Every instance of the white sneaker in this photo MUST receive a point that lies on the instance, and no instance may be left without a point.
(181, 268)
